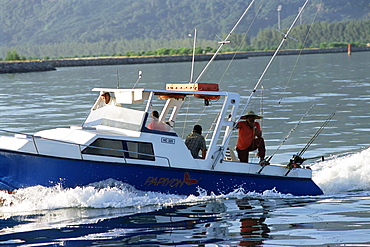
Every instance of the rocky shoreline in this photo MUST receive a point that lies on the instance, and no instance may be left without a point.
(52, 64)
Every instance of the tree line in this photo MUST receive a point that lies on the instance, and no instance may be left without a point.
(44, 22)
(317, 35)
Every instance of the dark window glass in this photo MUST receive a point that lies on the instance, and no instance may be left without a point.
(117, 148)
(105, 147)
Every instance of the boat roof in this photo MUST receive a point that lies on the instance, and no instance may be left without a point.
(158, 91)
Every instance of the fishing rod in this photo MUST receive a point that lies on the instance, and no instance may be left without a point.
(318, 132)
(297, 159)
(267, 161)
(286, 35)
(225, 41)
(259, 80)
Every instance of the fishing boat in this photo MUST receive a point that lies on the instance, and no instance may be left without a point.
(115, 142)
(118, 141)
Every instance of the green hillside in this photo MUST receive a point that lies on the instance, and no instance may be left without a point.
(38, 25)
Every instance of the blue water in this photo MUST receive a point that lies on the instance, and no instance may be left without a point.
(114, 214)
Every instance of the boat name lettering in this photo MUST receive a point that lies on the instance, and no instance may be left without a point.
(168, 140)
(156, 181)
(172, 182)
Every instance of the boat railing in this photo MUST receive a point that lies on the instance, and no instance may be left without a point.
(81, 147)
(14, 132)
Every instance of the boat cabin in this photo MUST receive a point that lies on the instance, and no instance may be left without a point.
(131, 114)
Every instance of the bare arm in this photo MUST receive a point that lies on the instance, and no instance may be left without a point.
(252, 125)
(204, 152)
(258, 132)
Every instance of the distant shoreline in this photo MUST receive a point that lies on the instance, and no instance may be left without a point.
(52, 64)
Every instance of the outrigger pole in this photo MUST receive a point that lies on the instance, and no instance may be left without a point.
(222, 43)
(286, 35)
(261, 77)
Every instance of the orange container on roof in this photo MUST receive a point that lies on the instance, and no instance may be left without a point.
(192, 86)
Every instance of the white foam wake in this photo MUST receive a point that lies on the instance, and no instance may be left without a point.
(105, 194)
(343, 174)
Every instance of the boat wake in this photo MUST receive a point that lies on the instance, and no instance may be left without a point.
(344, 173)
(107, 194)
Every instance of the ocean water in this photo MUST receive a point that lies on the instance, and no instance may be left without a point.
(111, 213)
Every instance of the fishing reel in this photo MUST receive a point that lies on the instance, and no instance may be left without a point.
(296, 161)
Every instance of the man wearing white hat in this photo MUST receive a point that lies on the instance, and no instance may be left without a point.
(250, 137)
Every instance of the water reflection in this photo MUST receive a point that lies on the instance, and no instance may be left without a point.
(253, 229)
(247, 221)
(239, 221)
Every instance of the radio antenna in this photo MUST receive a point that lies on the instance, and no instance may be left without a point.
(117, 79)
(193, 59)
(138, 79)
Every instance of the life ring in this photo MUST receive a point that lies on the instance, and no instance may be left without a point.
(209, 97)
(171, 96)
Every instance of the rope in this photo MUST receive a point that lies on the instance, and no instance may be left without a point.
(300, 53)
(224, 42)
(186, 118)
(261, 105)
(244, 38)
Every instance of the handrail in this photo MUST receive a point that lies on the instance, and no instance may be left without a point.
(13, 132)
(33, 137)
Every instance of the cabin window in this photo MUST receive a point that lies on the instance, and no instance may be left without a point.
(122, 149)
